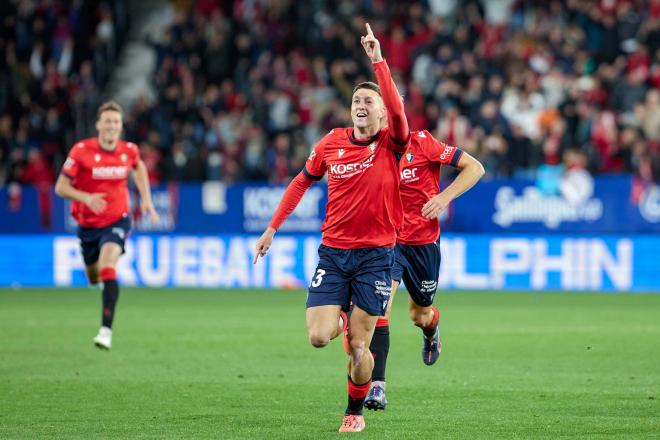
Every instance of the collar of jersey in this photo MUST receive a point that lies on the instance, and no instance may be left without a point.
(362, 143)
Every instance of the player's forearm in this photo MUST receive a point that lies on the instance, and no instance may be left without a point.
(141, 176)
(465, 180)
(292, 196)
(396, 116)
(64, 189)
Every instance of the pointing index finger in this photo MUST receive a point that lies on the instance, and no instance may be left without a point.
(369, 31)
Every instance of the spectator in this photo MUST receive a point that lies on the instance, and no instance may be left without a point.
(515, 81)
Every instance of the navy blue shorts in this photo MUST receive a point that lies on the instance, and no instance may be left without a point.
(419, 268)
(92, 239)
(360, 276)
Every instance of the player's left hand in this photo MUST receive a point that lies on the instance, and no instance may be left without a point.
(435, 206)
(371, 45)
(263, 244)
(148, 207)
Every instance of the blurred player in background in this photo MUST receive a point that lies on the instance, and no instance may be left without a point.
(417, 252)
(363, 214)
(95, 178)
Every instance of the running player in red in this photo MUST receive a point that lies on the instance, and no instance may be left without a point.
(417, 252)
(363, 214)
(95, 177)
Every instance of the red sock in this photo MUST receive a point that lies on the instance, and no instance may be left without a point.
(382, 322)
(107, 274)
(430, 330)
(356, 396)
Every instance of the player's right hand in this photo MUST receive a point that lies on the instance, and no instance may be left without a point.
(371, 45)
(96, 202)
(263, 244)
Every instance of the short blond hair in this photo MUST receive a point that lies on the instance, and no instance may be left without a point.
(369, 86)
(109, 106)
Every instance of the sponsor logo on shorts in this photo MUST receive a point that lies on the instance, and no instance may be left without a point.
(119, 232)
(429, 286)
(383, 289)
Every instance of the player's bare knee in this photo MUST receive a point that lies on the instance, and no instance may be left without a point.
(418, 318)
(318, 339)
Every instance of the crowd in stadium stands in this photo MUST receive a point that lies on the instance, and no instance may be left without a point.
(246, 88)
(55, 57)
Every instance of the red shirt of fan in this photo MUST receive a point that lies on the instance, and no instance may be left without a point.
(420, 181)
(364, 208)
(95, 170)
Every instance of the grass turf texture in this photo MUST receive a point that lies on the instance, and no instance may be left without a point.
(236, 364)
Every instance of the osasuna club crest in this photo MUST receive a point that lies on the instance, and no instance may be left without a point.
(124, 157)
(409, 156)
(372, 147)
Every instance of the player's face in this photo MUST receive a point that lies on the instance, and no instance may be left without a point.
(109, 126)
(367, 108)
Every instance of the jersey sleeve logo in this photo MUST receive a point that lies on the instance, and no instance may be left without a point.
(446, 154)
(312, 155)
(421, 134)
(69, 163)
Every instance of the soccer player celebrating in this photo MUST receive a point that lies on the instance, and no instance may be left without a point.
(359, 231)
(95, 177)
(417, 252)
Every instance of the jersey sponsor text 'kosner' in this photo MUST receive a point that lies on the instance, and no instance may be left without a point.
(116, 172)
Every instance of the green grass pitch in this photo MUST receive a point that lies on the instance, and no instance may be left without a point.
(236, 364)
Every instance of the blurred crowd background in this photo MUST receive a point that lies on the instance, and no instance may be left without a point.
(245, 88)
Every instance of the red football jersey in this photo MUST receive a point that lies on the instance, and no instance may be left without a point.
(420, 180)
(364, 207)
(95, 170)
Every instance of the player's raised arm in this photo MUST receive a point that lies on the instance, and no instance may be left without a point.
(396, 116)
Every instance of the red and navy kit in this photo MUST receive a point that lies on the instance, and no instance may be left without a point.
(417, 253)
(95, 170)
(420, 181)
(364, 207)
(363, 211)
